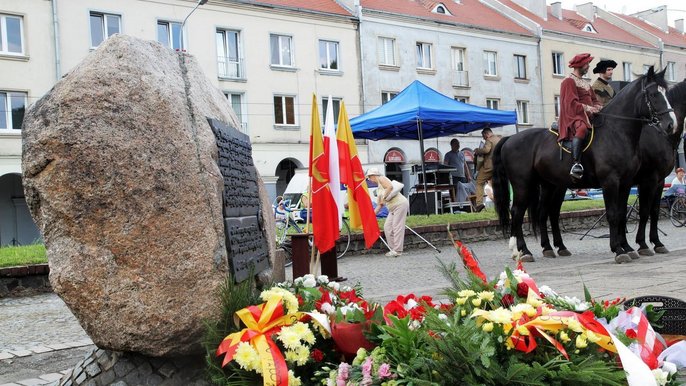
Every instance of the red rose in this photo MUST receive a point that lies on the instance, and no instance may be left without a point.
(507, 300)
(317, 355)
(522, 290)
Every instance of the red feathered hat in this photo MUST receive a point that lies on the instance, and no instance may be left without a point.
(580, 60)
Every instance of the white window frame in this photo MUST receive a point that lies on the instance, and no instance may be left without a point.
(463, 99)
(227, 66)
(386, 44)
(336, 108)
(519, 69)
(424, 53)
(104, 25)
(284, 111)
(170, 34)
(490, 66)
(523, 112)
(556, 103)
(386, 96)
(242, 114)
(6, 110)
(280, 41)
(628, 73)
(458, 57)
(327, 45)
(4, 46)
(558, 63)
(493, 103)
(670, 74)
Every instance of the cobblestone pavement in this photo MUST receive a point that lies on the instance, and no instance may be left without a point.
(44, 320)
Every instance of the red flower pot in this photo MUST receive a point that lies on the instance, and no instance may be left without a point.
(349, 337)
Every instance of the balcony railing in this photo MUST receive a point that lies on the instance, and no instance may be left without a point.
(461, 78)
(231, 68)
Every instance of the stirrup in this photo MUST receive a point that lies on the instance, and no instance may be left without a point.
(577, 171)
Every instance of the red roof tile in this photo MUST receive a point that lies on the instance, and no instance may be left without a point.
(572, 23)
(467, 12)
(673, 37)
(325, 6)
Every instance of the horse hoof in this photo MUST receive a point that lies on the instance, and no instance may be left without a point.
(633, 255)
(623, 258)
(527, 258)
(645, 252)
(661, 249)
(564, 252)
(549, 253)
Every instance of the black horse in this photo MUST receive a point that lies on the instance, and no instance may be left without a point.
(530, 161)
(657, 158)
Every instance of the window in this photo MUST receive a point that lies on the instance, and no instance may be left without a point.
(387, 51)
(557, 106)
(589, 28)
(458, 58)
(628, 75)
(386, 96)
(462, 99)
(520, 66)
(424, 55)
(523, 112)
(670, 74)
(328, 55)
(281, 50)
(440, 9)
(237, 103)
(492, 103)
(336, 102)
(646, 67)
(490, 63)
(103, 25)
(170, 34)
(284, 110)
(228, 54)
(11, 36)
(558, 63)
(12, 107)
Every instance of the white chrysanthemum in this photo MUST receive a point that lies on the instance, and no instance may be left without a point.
(500, 315)
(328, 308)
(298, 281)
(293, 380)
(547, 291)
(334, 285)
(289, 338)
(486, 295)
(299, 355)
(246, 357)
(309, 281)
(322, 279)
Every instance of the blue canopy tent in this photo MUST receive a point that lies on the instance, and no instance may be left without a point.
(420, 112)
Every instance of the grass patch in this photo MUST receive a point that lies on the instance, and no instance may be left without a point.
(23, 255)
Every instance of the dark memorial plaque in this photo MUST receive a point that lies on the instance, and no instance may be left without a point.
(243, 224)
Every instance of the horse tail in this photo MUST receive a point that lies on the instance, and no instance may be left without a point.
(501, 188)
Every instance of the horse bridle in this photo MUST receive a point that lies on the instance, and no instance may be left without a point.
(654, 119)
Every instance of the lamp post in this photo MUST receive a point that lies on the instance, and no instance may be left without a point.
(199, 3)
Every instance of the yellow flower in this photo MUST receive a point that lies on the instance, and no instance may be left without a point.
(574, 325)
(592, 337)
(289, 300)
(246, 356)
(302, 330)
(534, 300)
(289, 338)
(564, 337)
(581, 341)
(476, 302)
(500, 315)
(466, 293)
(487, 327)
(507, 327)
(293, 380)
(523, 330)
(463, 312)
(546, 310)
(460, 301)
(486, 295)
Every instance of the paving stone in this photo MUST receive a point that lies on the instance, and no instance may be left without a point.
(32, 382)
(58, 346)
(93, 369)
(21, 353)
(120, 383)
(10, 384)
(167, 370)
(40, 349)
(6, 355)
(122, 368)
(107, 377)
(52, 377)
(82, 377)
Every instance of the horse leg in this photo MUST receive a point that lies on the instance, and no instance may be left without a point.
(654, 218)
(546, 201)
(645, 201)
(517, 214)
(616, 217)
(555, 222)
(624, 197)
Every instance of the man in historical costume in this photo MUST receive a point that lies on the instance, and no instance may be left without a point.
(603, 91)
(485, 171)
(577, 106)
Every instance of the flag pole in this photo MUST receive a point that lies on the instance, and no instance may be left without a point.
(307, 223)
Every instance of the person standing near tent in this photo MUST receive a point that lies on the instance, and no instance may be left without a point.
(455, 158)
(397, 204)
(485, 171)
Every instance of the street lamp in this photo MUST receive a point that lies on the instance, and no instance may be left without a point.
(200, 2)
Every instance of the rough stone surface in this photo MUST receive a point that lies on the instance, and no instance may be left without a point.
(121, 176)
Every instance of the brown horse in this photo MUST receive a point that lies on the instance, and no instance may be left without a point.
(530, 161)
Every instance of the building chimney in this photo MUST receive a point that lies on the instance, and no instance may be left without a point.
(586, 10)
(556, 9)
(537, 7)
(679, 25)
(656, 16)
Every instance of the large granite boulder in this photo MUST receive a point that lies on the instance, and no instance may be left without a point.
(121, 176)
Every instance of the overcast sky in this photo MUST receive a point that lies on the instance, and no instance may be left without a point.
(676, 9)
